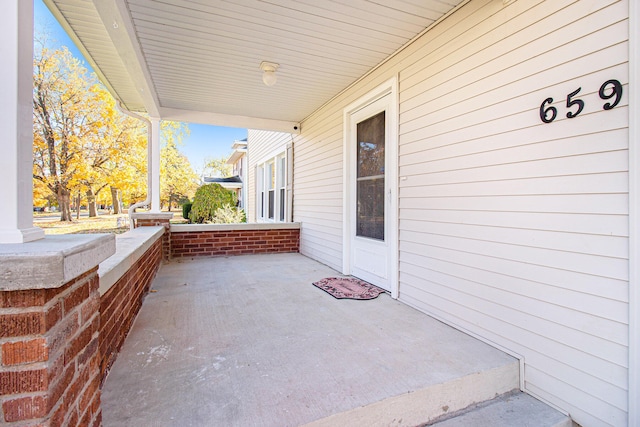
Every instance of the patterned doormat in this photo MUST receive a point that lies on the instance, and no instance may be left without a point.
(348, 287)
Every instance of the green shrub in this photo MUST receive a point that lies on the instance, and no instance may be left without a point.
(208, 199)
(186, 208)
(228, 215)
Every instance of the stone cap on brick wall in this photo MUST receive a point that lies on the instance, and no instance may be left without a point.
(130, 247)
(152, 215)
(52, 261)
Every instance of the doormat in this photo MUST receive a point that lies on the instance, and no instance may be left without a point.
(348, 287)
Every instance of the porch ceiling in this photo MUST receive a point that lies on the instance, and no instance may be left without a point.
(198, 60)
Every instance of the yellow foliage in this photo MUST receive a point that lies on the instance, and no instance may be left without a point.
(81, 141)
(83, 144)
(178, 181)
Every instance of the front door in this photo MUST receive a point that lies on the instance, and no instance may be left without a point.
(371, 203)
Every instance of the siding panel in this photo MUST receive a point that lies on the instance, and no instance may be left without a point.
(609, 225)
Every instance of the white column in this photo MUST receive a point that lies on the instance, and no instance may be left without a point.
(154, 164)
(16, 126)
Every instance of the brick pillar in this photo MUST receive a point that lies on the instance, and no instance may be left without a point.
(49, 356)
(151, 219)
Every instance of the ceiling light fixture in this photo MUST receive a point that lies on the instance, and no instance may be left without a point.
(269, 77)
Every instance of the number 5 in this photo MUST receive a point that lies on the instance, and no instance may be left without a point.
(572, 102)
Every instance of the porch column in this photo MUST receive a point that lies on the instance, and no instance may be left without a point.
(154, 164)
(16, 127)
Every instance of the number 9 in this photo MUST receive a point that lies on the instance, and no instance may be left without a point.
(617, 92)
(544, 111)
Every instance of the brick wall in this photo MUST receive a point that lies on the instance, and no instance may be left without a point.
(121, 303)
(49, 356)
(151, 220)
(234, 242)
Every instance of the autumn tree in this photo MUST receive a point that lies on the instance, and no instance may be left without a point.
(81, 142)
(62, 116)
(178, 181)
(217, 167)
(112, 155)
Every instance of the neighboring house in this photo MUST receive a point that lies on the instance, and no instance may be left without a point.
(269, 167)
(482, 166)
(236, 182)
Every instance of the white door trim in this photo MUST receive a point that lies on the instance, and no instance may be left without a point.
(634, 213)
(390, 87)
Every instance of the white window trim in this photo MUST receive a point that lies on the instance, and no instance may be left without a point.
(259, 192)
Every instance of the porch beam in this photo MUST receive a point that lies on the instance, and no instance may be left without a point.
(16, 126)
(229, 120)
(117, 21)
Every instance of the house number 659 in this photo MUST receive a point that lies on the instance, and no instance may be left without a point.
(608, 90)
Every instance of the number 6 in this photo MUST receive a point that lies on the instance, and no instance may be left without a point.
(544, 111)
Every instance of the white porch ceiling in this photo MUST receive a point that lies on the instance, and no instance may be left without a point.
(198, 60)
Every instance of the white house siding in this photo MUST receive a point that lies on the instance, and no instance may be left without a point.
(261, 146)
(509, 228)
(484, 239)
(317, 189)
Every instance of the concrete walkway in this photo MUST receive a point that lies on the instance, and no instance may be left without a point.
(248, 341)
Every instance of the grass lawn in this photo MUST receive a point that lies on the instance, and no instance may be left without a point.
(104, 223)
(99, 224)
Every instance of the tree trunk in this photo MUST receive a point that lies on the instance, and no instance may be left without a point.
(170, 203)
(91, 202)
(64, 203)
(78, 200)
(115, 200)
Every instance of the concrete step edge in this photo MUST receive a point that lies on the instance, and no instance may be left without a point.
(513, 408)
(421, 406)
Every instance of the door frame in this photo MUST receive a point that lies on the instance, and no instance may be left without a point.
(390, 88)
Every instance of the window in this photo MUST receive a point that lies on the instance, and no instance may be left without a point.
(282, 183)
(271, 189)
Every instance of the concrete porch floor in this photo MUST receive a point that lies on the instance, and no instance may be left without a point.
(249, 341)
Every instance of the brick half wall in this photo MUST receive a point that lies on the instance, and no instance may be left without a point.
(234, 239)
(49, 358)
(120, 304)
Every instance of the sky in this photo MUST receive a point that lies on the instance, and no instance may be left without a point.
(203, 142)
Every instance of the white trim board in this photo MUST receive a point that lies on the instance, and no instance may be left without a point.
(634, 213)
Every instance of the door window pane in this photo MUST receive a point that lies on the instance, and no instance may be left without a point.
(370, 177)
